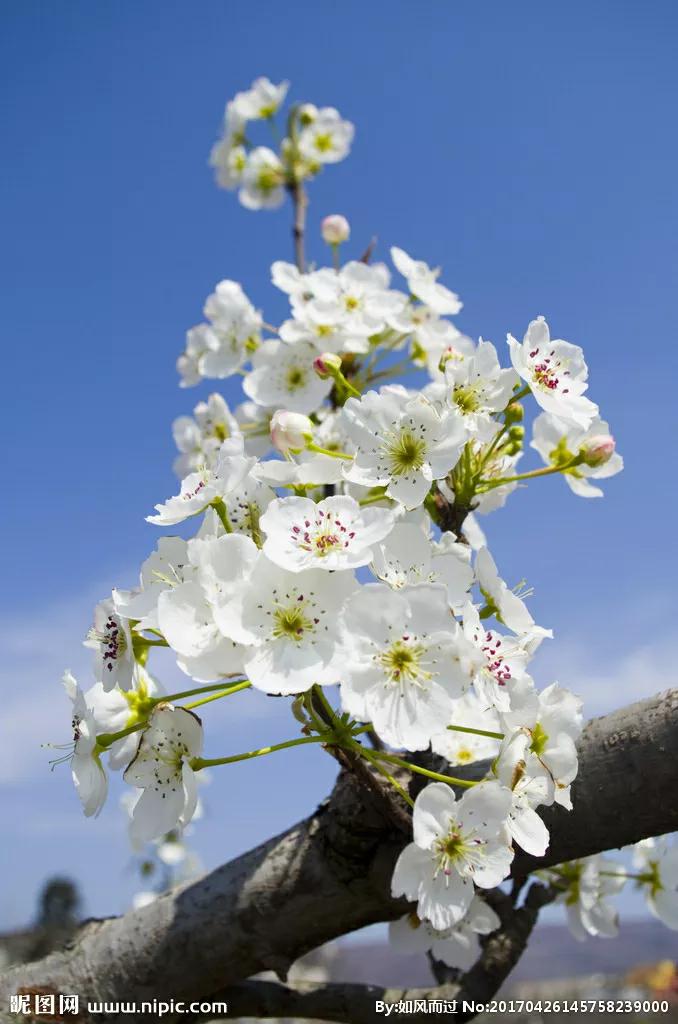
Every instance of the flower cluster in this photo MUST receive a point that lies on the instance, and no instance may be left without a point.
(338, 546)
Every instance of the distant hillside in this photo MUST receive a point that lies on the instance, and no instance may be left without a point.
(552, 953)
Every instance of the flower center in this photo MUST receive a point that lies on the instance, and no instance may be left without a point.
(405, 453)
(112, 639)
(295, 378)
(465, 397)
(323, 143)
(545, 371)
(291, 622)
(456, 849)
(402, 662)
(268, 179)
(323, 536)
(539, 740)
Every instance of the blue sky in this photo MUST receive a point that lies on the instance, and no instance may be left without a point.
(530, 149)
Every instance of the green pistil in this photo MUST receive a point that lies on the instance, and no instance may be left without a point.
(291, 623)
(402, 661)
(539, 740)
(406, 453)
(465, 398)
(296, 378)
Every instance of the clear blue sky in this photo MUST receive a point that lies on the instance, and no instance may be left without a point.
(529, 148)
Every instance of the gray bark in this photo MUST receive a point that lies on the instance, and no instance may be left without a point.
(330, 874)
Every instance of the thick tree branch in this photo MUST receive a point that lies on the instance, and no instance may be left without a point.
(331, 874)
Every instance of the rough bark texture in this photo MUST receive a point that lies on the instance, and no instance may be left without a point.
(330, 874)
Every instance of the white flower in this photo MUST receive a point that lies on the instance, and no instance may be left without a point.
(199, 437)
(188, 364)
(234, 330)
(283, 377)
(656, 859)
(590, 882)
(111, 640)
(186, 617)
(504, 660)
(407, 556)
(463, 747)
(260, 101)
(201, 489)
(423, 283)
(161, 768)
(401, 443)
(288, 621)
(558, 442)
(478, 388)
(360, 293)
(327, 325)
(229, 159)
(263, 180)
(456, 843)
(546, 725)
(406, 662)
(165, 567)
(89, 776)
(457, 946)
(115, 710)
(556, 373)
(527, 792)
(333, 534)
(327, 139)
(505, 604)
(335, 229)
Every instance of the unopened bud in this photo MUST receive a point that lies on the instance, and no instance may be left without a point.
(335, 229)
(597, 450)
(327, 365)
(449, 354)
(516, 433)
(514, 413)
(290, 431)
(308, 113)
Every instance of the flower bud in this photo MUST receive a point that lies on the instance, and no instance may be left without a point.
(290, 431)
(448, 354)
(514, 413)
(308, 113)
(335, 229)
(327, 365)
(597, 450)
(516, 433)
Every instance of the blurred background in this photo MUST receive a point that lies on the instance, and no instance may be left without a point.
(528, 149)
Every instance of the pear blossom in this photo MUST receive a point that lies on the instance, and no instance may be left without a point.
(402, 443)
(333, 534)
(88, 773)
(463, 747)
(228, 158)
(504, 660)
(283, 377)
(657, 860)
(556, 373)
(361, 294)
(315, 471)
(290, 431)
(327, 325)
(203, 488)
(589, 884)
(189, 362)
(286, 622)
(327, 139)
(423, 283)
(263, 180)
(161, 769)
(166, 567)
(458, 946)
(234, 330)
(111, 640)
(407, 555)
(115, 710)
(478, 388)
(199, 437)
(558, 443)
(527, 792)
(456, 843)
(541, 731)
(406, 661)
(505, 604)
(260, 101)
(335, 229)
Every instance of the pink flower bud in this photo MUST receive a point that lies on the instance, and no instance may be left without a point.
(327, 365)
(335, 229)
(290, 431)
(597, 450)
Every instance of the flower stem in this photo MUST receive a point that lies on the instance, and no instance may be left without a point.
(219, 507)
(477, 732)
(209, 688)
(370, 756)
(217, 696)
(450, 779)
(489, 485)
(311, 447)
(197, 763)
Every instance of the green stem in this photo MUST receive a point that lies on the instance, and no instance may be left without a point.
(374, 499)
(477, 732)
(311, 447)
(217, 696)
(522, 393)
(369, 756)
(489, 485)
(106, 739)
(209, 688)
(450, 779)
(198, 763)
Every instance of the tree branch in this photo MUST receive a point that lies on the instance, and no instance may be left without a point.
(331, 873)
